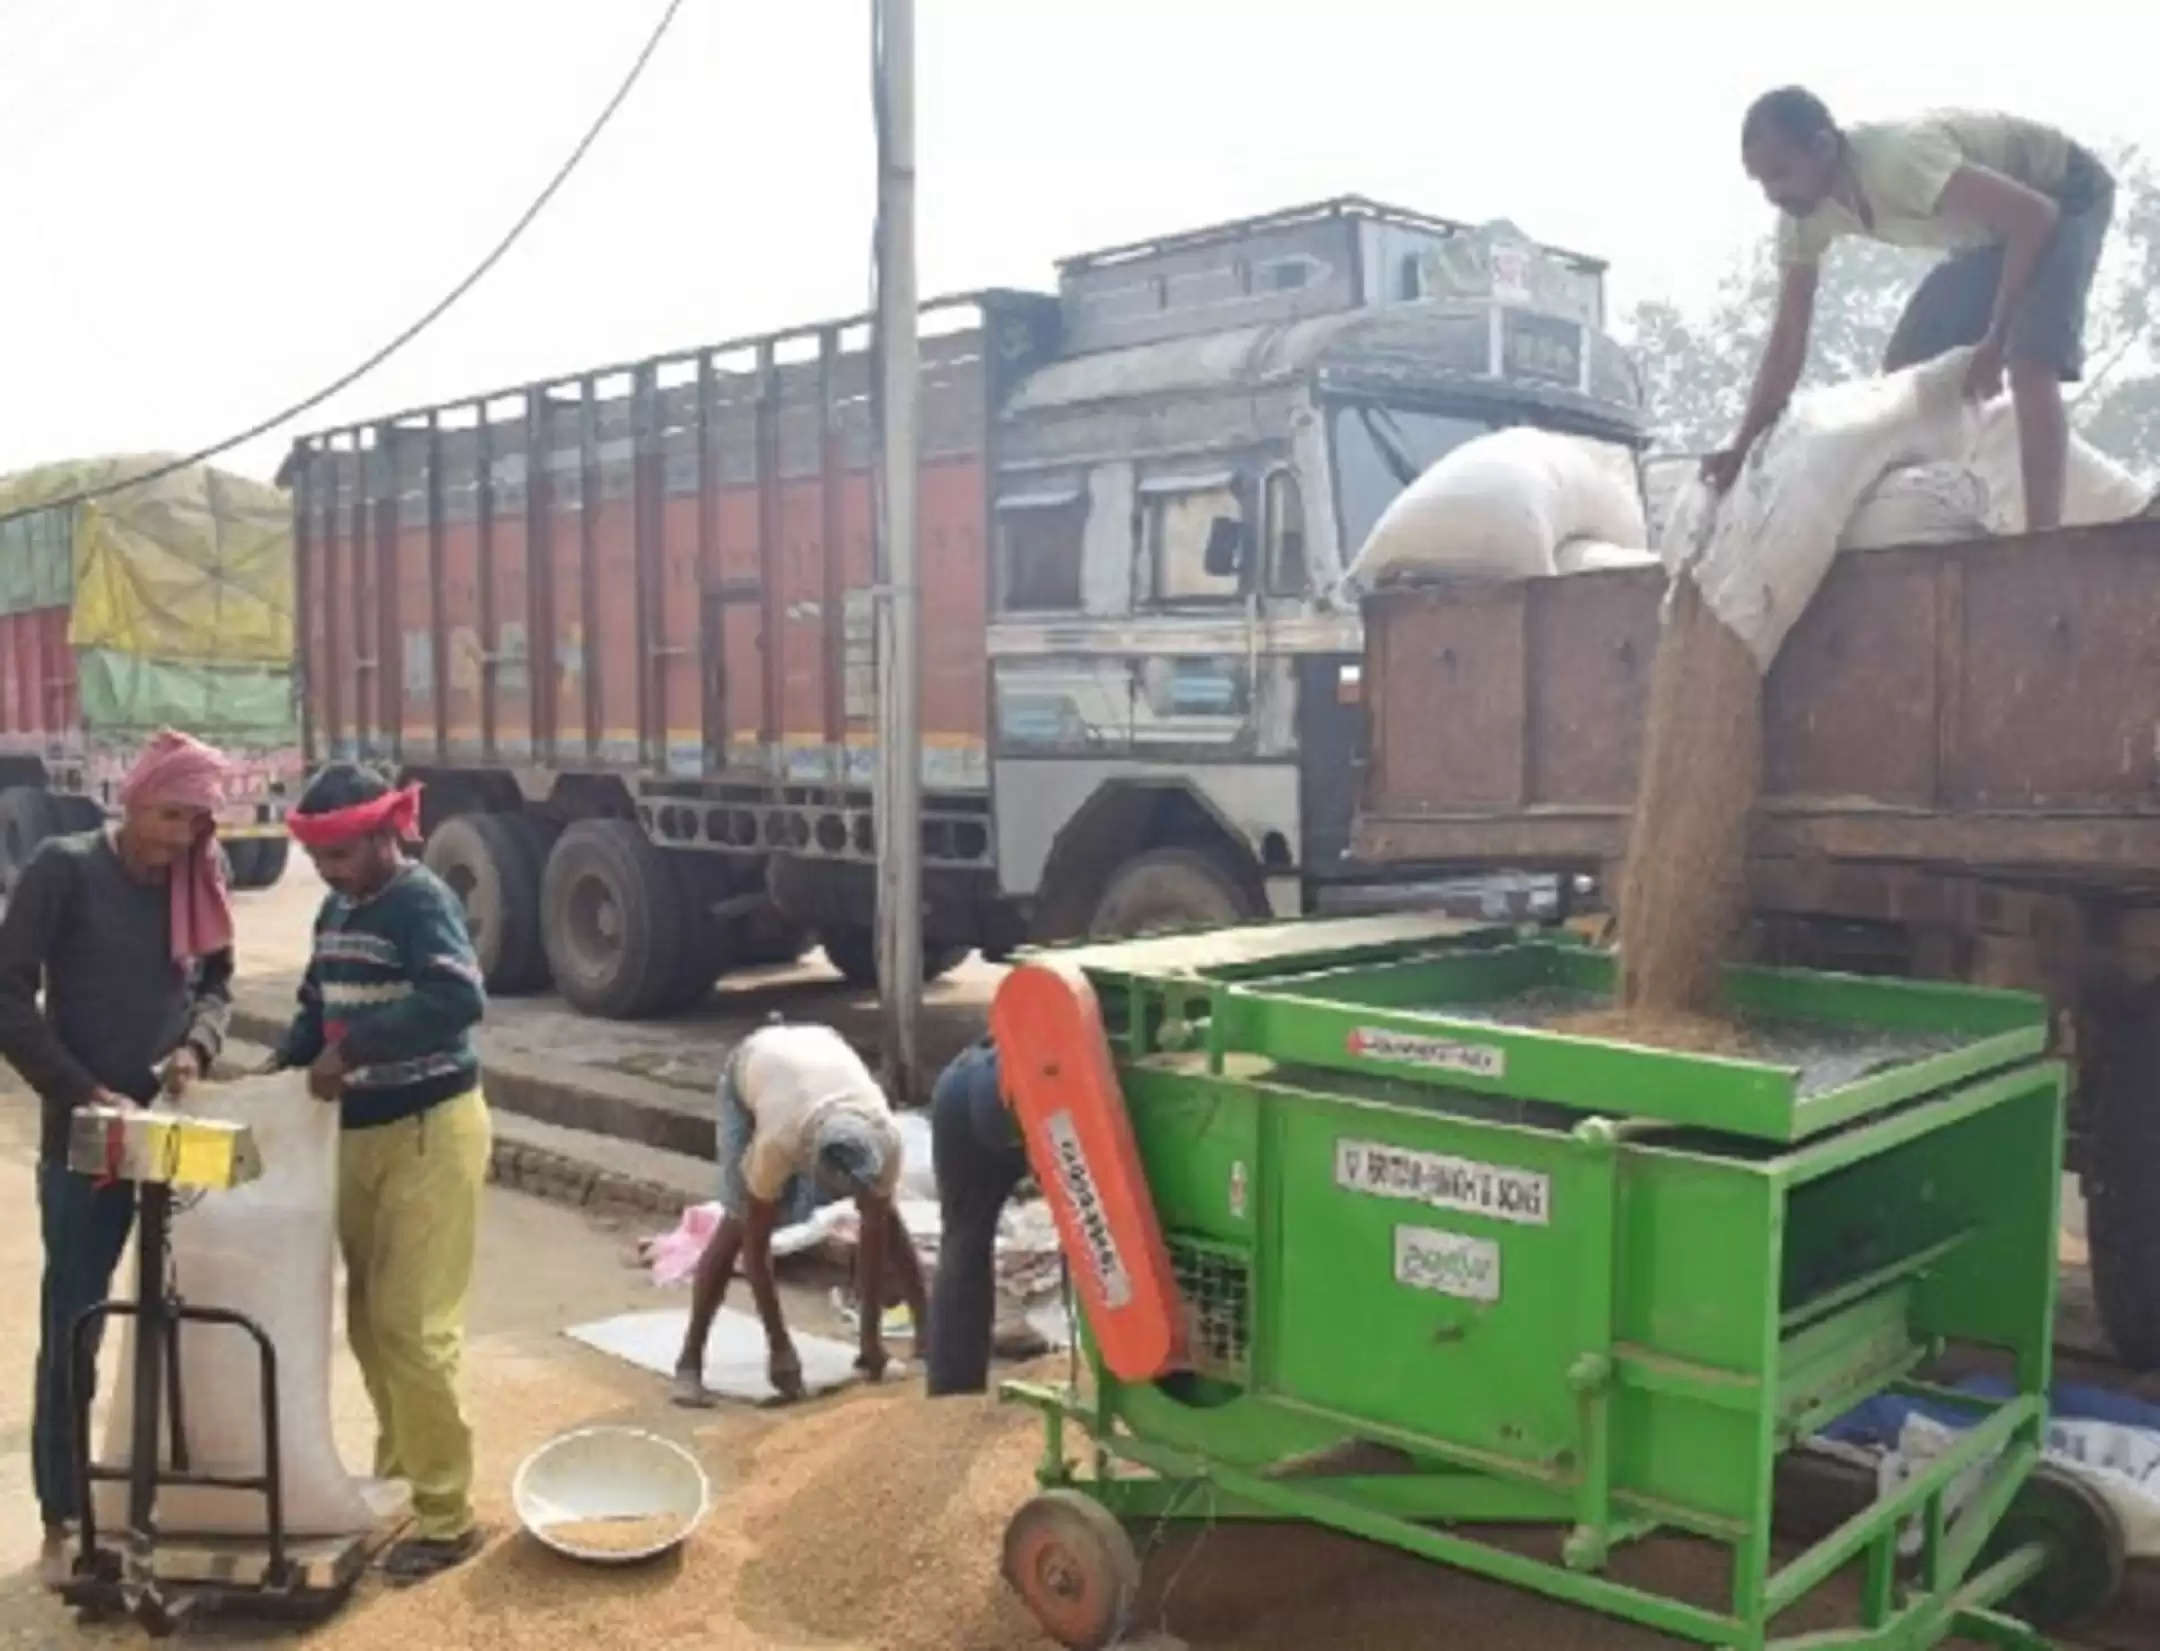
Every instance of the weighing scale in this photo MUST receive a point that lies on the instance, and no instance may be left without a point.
(153, 1575)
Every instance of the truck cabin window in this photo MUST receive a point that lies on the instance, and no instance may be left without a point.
(1284, 532)
(1040, 545)
(1194, 543)
(1379, 451)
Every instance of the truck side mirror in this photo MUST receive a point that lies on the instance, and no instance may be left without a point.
(1225, 548)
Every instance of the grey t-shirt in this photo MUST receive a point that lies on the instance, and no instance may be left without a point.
(99, 944)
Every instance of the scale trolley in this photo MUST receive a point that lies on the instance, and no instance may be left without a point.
(143, 1572)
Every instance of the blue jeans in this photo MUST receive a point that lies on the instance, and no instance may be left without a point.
(85, 1228)
(980, 1159)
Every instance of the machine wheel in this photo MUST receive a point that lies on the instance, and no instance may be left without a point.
(613, 917)
(2062, 1510)
(1169, 889)
(494, 868)
(2122, 1182)
(853, 951)
(1072, 1564)
(27, 818)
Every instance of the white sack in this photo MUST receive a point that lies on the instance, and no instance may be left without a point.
(1498, 507)
(1923, 504)
(1982, 492)
(266, 1250)
(2121, 1464)
(1591, 555)
(2096, 489)
(1759, 554)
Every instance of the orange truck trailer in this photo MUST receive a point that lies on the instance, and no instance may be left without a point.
(620, 622)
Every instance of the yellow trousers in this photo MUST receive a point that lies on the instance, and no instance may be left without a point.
(408, 1217)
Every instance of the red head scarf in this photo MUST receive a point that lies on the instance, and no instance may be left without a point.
(177, 770)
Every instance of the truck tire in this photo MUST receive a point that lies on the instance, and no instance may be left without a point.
(493, 866)
(257, 862)
(272, 856)
(709, 944)
(72, 814)
(613, 917)
(27, 818)
(1170, 889)
(2122, 1184)
(853, 951)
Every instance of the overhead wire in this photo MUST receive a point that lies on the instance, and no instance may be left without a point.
(434, 313)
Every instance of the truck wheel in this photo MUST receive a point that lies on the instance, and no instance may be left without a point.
(612, 913)
(257, 862)
(765, 939)
(239, 863)
(272, 855)
(27, 818)
(493, 867)
(2122, 1186)
(72, 814)
(853, 951)
(1171, 889)
(708, 946)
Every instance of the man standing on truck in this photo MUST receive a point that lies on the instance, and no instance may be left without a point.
(2022, 212)
(802, 1123)
(384, 1031)
(128, 933)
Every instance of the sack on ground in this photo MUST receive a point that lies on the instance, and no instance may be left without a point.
(266, 1250)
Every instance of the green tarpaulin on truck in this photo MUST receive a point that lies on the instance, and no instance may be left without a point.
(242, 705)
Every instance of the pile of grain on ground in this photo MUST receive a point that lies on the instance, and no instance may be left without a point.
(882, 1523)
(1683, 888)
(617, 1534)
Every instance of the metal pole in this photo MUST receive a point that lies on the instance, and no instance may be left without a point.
(899, 634)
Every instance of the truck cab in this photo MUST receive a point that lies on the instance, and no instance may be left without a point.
(1174, 660)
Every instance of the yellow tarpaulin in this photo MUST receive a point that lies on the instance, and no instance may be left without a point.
(194, 567)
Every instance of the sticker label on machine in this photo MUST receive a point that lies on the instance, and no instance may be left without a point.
(1452, 1264)
(1446, 1183)
(1086, 1204)
(1476, 1060)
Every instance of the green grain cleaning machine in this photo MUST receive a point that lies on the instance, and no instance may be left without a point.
(1360, 1241)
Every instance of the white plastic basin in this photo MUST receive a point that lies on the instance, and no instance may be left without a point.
(651, 1487)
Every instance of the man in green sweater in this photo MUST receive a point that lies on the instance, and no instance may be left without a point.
(385, 1032)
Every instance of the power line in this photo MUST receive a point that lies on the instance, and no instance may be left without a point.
(495, 256)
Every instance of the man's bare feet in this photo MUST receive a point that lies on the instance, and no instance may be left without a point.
(55, 1563)
(689, 1390)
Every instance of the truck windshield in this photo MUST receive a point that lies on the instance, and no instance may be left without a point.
(1380, 450)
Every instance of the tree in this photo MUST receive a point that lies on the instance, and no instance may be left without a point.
(1697, 365)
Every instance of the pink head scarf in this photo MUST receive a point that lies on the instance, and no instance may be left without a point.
(176, 769)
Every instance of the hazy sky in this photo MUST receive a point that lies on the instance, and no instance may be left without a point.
(216, 205)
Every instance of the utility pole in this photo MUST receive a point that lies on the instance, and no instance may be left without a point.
(898, 799)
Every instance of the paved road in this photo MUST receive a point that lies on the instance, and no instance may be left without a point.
(682, 1053)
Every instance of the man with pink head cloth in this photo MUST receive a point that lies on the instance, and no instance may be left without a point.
(127, 933)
